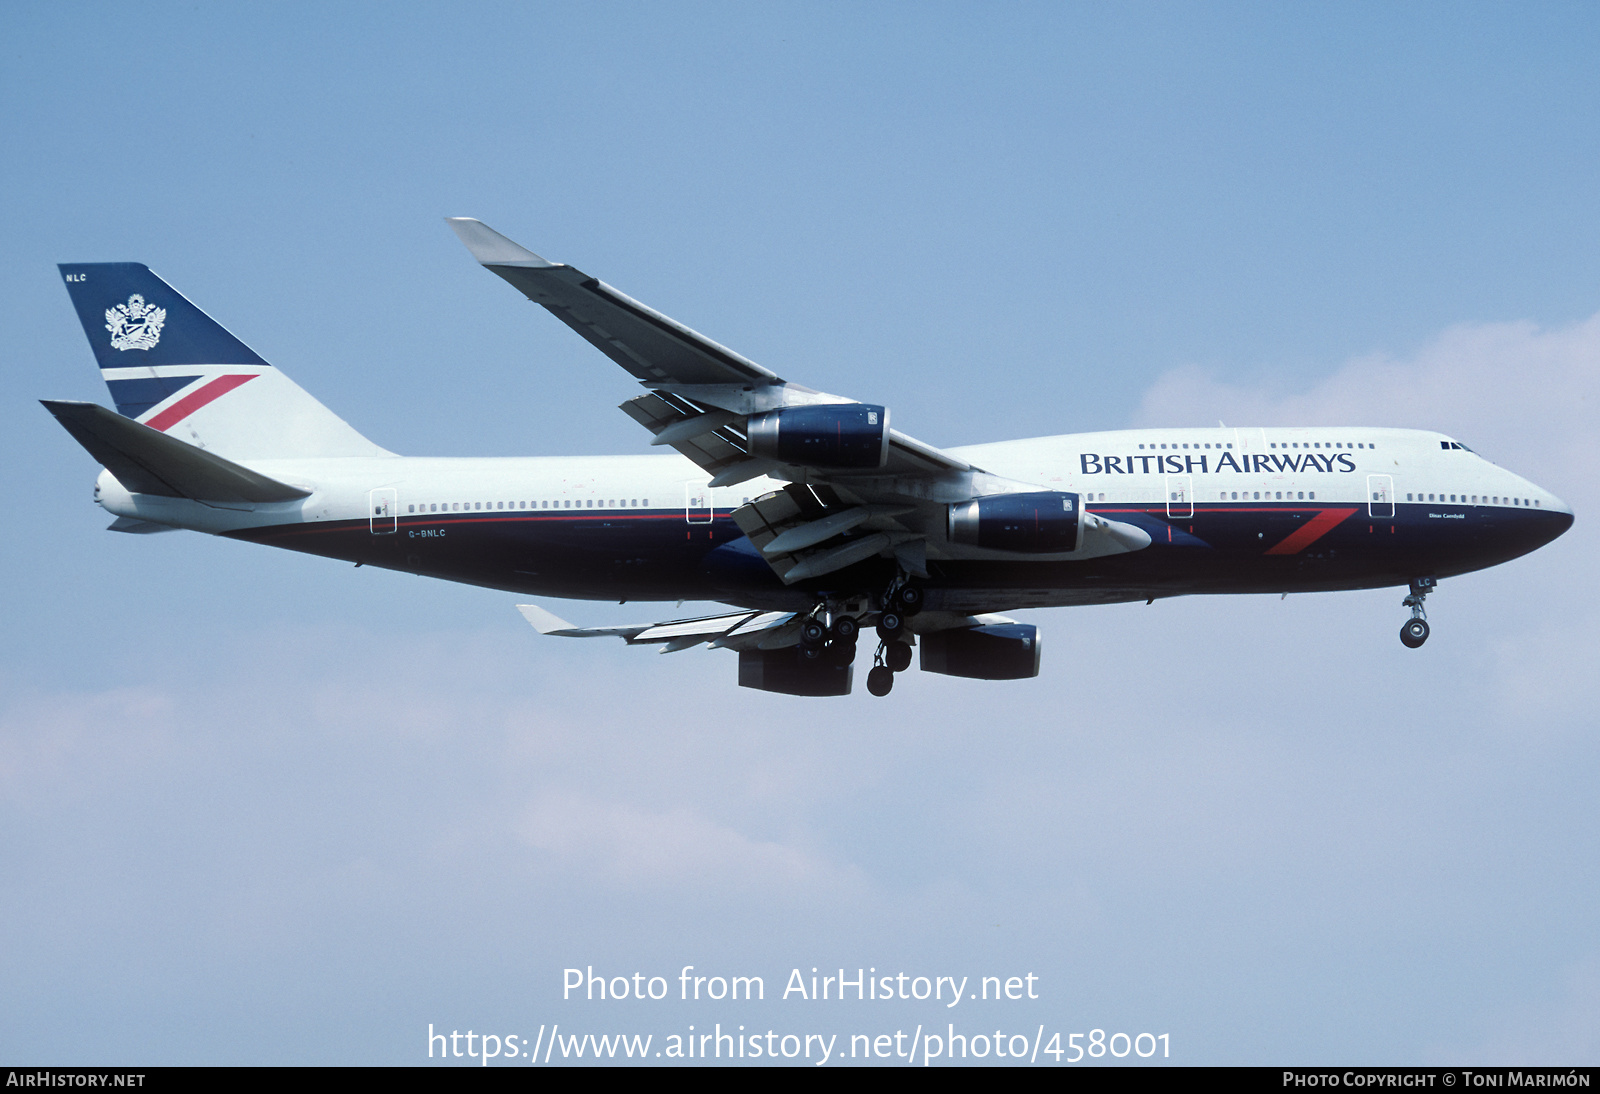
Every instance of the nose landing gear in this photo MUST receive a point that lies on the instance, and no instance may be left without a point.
(1415, 632)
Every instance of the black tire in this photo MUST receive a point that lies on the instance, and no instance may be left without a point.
(840, 653)
(880, 681)
(813, 633)
(812, 653)
(1414, 633)
(845, 628)
(910, 598)
(890, 624)
(897, 655)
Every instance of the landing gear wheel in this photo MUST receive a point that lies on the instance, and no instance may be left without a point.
(897, 655)
(840, 653)
(910, 599)
(880, 681)
(890, 624)
(1414, 633)
(845, 628)
(813, 633)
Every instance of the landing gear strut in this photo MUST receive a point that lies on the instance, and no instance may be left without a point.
(900, 602)
(1415, 632)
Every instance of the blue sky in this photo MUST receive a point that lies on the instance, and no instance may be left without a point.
(262, 808)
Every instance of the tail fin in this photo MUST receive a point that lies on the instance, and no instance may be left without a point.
(172, 367)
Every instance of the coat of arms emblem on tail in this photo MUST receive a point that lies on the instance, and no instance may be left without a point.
(135, 325)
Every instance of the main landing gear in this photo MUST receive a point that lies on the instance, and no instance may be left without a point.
(833, 643)
(894, 639)
(1415, 632)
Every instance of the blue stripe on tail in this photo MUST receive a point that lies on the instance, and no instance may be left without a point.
(134, 397)
(135, 319)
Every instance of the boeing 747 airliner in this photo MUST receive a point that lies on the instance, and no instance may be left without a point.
(807, 513)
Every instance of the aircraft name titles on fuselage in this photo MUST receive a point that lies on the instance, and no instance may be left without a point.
(1093, 463)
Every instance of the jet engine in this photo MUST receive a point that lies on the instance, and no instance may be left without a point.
(852, 436)
(1036, 523)
(998, 651)
(789, 672)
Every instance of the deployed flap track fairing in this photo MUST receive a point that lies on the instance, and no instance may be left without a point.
(806, 512)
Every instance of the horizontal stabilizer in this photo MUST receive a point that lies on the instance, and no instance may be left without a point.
(147, 461)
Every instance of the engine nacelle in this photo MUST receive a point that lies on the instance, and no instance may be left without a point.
(852, 436)
(998, 651)
(788, 672)
(1035, 524)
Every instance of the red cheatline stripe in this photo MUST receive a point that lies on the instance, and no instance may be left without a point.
(1311, 531)
(187, 405)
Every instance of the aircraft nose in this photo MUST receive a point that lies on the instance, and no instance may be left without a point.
(1554, 518)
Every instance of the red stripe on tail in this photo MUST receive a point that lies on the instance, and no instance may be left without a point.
(187, 405)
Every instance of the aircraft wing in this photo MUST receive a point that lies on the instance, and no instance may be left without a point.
(858, 489)
(737, 630)
(702, 393)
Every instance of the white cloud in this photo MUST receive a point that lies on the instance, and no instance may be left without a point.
(1523, 396)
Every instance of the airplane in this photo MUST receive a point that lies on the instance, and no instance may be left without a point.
(806, 513)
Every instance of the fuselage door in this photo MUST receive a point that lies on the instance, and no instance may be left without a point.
(1180, 496)
(697, 503)
(1380, 497)
(383, 507)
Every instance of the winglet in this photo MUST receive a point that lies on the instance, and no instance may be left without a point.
(491, 248)
(545, 622)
